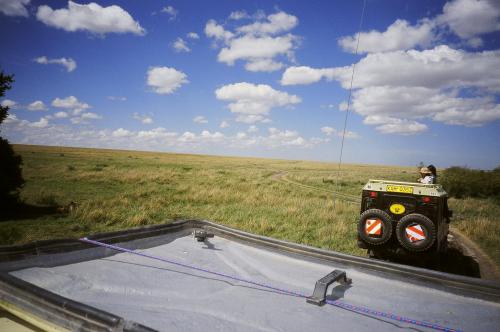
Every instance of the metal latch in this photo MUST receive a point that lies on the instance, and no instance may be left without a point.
(202, 235)
(319, 294)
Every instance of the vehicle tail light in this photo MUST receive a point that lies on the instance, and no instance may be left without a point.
(373, 194)
(426, 199)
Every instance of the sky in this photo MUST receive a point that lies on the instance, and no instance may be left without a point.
(258, 78)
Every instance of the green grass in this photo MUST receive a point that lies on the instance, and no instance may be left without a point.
(122, 189)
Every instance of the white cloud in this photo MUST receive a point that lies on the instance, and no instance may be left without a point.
(158, 139)
(90, 116)
(145, 119)
(238, 15)
(276, 23)
(205, 134)
(252, 48)
(399, 36)
(266, 65)
(83, 118)
(475, 42)
(252, 103)
(441, 66)
(165, 80)
(275, 139)
(391, 104)
(306, 75)
(328, 131)
(349, 134)
(117, 98)
(402, 127)
(214, 30)
(224, 124)
(37, 106)
(187, 137)
(42, 123)
(120, 132)
(10, 104)
(77, 108)
(395, 90)
(171, 11)
(470, 18)
(90, 17)
(257, 44)
(14, 7)
(343, 106)
(278, 138)
(180, 46)
(71, 103)
(414, 84)
(193, 35)
(159, 133)
(11, 118)
(252, 129)
(68, 63)
(204, 138)
(200, 119)
(61, 115)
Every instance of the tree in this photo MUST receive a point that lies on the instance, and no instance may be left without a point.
(11, 179)
(5, 84)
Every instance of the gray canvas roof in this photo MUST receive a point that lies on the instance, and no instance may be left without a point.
(167, 297)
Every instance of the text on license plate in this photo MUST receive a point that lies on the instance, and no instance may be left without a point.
(400, 189)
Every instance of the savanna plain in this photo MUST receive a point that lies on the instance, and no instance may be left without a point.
(298, 201)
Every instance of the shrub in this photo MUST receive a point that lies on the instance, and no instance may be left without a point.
(10, 171)
(463, 182)
(11, 178)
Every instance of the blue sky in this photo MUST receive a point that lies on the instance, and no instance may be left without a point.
(258, 78)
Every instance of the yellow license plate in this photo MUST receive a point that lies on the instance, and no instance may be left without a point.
(400, 189)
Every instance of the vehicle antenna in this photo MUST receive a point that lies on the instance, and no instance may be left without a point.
(349, 100)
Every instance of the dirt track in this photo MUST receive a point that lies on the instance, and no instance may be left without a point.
(488, 268)
(282, 176)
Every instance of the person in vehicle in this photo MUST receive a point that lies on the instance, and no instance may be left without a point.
(433, 170)
(426, 176)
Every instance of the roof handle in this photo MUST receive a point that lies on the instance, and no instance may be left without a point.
(319, 295)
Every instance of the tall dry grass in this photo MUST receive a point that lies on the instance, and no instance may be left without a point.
(121, 189)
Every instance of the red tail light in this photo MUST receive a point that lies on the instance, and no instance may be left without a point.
(426, 199)
(373, 194)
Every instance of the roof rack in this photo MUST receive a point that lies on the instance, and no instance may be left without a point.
(415, 188)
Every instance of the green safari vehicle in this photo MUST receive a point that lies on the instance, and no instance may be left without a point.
(403, 218)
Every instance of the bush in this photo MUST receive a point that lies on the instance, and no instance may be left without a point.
(10, 171)
(463, 182)
(11, 178)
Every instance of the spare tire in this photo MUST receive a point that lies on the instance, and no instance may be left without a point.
(375, 227)
(416, 232)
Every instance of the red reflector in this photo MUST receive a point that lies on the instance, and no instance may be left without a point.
(373, 194)
(426, 199)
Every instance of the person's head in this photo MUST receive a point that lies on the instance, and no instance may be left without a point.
(433, 170)
(424, 171)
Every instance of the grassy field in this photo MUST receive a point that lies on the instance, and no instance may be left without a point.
(291, 200)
